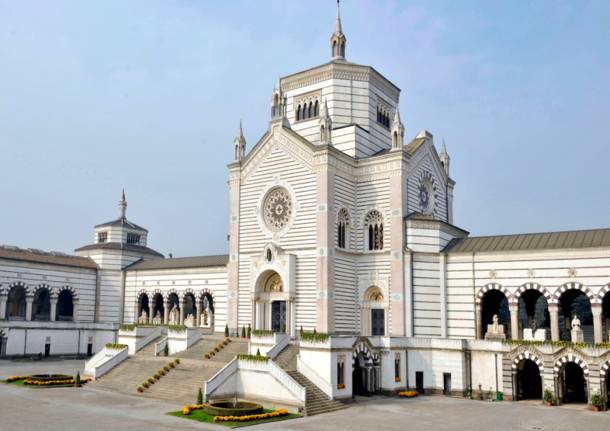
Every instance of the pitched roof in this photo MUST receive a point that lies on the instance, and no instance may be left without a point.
(120, 246)
(415, 144)
(121, 222)
(39, 256)
(532, 241)
(181, 262)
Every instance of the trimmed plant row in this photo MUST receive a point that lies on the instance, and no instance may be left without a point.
(218, 348)
(157, 376)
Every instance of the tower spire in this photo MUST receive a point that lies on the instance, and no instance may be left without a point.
(444, 156)
(123, 205)
(398, 132)
(240, 143)
(337, 39)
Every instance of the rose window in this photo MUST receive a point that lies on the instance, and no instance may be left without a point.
(277, 209)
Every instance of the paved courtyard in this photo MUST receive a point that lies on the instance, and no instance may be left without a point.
(87, 409)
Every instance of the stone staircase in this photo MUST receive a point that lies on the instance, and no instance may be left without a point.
(317, 401)
(182, 383)
(149, 349)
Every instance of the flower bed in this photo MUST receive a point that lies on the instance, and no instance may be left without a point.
(196, 412)
(247, 418)
(47, 380)
(407, 394)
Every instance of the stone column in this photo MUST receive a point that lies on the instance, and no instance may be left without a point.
(29, 300)
(198, 318)
(554, 313)
(74, 310)
(287, 318)
(479, 324)
(514, 321)
(153, 310)
(53, 308)
(257, 317)
(233, 265)
(165, 311)
(366, 321)
(3, 299)
(181, 305)
(598, 335)
(396, 231)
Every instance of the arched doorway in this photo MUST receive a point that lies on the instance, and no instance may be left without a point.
(606, 316)
(573, 384)
(534, 312)
(494, 303)
(65, 306)
(143, 307)
(15, 305)
(529, 381)
(374, 310)
(189, 305)
(359, 377)
(159, 310)
(207, 319)
(41, 307)
(574, 302)
(272, 303)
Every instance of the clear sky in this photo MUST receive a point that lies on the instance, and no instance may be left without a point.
(147, 95)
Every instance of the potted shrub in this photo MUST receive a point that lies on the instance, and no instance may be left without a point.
(226, 330)
(77, 382)
(597, 403)
(166, 350)
(199, 397)
(548, 397)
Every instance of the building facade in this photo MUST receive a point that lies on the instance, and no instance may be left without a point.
(339, 225)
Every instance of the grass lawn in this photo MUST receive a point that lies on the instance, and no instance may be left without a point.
(201, 416)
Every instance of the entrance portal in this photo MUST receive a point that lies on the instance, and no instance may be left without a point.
(359, 377)
(529, 381)
(278, 316)
(574, 384)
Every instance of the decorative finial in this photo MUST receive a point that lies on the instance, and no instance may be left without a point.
(398, 132)
(240, 143)
(123, 204)
(337, 39)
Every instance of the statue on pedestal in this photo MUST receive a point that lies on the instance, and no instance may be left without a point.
(174, 318)
(143, 319)
(577, 333)
(189, 321)
(157, 319)
(495, 331)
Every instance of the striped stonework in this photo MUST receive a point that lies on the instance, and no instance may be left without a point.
(570, 357)
(577, 286)
(186, 292)
(204, 292)
(603, 292)
(492, 286)
(533, 286)
(528, 355)
(19, 284)
(603, 369)
(369, 358)
(69, 289)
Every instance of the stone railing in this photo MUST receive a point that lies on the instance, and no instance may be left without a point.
(314, 377)
(288, 382)
(105, 360)
(181, 339)
(160, 346)
(281, 340)
(221, 377)
(138, 337)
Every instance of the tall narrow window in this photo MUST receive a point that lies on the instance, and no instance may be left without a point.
(310, 110)
(397, 367)
(374, 226)
(102, 236)
(316, 109)
(298, 113)
(343, 228)
(341, 374)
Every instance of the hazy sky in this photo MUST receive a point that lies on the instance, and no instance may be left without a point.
(147, 95)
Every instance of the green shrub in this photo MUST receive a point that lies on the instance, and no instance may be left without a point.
(166, 368)
(145, 385)
(151, 380)
(258, 352)
(171, 365)
(596, 400)
(176, 328)
(226, 330)
(176, 361)
(140, 389)
(116, 346)
(166, 349)
(249, 333)
(256, 358)
(548, 396)
(261, 332)
(207, 356)
(199, 397)
(314, 337)
(243, 332)
(127, 327)
(77, 379)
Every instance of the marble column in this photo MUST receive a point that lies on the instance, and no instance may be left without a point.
(554, 313)
(596, 310)
(198, 318)
(29, 300)
(366, 321)
(514, 321)
(181, 305)
(3, 299)
(53, 301)
(165, 311)
(479, 324)
(74, 310)
(153, 310)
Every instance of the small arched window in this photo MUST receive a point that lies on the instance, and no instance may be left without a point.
(298, 113)
(343, 229)
(316, 109)
(374, 230)
(310, 110)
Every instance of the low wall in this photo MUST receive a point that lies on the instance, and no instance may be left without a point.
(262, 381)
(65, 338)
(180, 340)
(104, 361)
(138, 337)
(269, 344)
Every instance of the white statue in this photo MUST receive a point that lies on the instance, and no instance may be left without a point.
(575, 323)
(495, 330)
(189, 321)
(143, 319)
(496, 325)
(157, 319)
(173, 316)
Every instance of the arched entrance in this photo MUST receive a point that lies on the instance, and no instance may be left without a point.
(534, 312)
(494, 303)
(207, 319)
(272, 309)
(189, 305)
(573, 384)
(65, 306)
(173, 309)
(374, 310)
(158, 309)
(575, 302)
(529, 381)
(15, 305)
(366, 370)
(359, 377)
(605, 316)
(143, 307)
(41, 307)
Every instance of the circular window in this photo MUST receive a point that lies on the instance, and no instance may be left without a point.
(277, 209)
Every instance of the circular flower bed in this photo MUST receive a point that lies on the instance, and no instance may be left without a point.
(47, 380)
(230, 408)
(407, 394)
